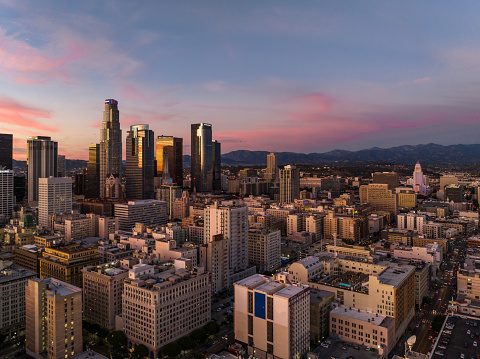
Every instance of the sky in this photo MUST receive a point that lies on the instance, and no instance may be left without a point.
(308, 76)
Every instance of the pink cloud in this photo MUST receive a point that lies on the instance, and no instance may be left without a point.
(17, 114)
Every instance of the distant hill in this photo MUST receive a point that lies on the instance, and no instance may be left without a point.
(72, 165)
(430, 153)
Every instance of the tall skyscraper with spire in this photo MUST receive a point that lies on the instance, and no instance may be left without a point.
(42, 162)
(140, 170)
(202, 157)
(272, 168)
(110, 144)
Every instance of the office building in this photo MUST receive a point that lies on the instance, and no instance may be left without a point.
(172, 147)
(379, 197)
(202, 158)
(217, 166)
(169, 193)
(320, 307)
(110, 145)
(12, 297)
(213, 256)
(232, 222)
(160, 308)
(92, 176)
(389, 178)
(80, 227)
(264, 249)
(6, 192)
(54, 196)
(419, 185)
(102, 294)
(289, 184)
(66, 263)
(272, 318)
(54, 319)
(42, 162)
(406, 198)
(140, 161)
(149, 212)
(106, 225)
(272, 174)
(6, 151)
(28, 256)
(62, 167)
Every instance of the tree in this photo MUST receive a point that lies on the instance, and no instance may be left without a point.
(140, 351)
(102, 333)
(212, 328)
(172, 350)
(426, 300)
(186, 343)
(94, 328)
(86, 325)
(199, 335)
(117, 339)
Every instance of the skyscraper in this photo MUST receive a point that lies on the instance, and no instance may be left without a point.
(61, 170)
(272, 168)
(140, 162)
(92, 177)
(54, 196)
(6, 149)
(173, 148)
(110, 144)
(202, 157)
(289, 184)
(6, 192)
(217, 166)
(42, 162)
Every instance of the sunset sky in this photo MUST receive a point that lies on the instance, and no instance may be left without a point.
(307, 76)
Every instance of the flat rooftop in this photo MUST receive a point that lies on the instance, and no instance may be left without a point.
(395, 274)
(252, 281)
(14, 272)
(291, 290)
(357, 314)
(89, 354)
(56, 286)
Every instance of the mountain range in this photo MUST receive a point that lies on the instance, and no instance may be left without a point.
(408, 154)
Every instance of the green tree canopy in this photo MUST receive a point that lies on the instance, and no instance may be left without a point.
(117, 339)
(172, 350)
(140, 351)
(199, 335)
(102, 333)
(212, 328)
(186, 343)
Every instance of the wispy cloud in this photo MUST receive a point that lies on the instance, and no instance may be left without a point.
(18, 114)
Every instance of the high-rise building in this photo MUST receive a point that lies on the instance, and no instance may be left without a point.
(148, 212)
(102, 294)
(217, 166)
(6, 192)
(418, 179)
(159, 308)
(169, 193)
(272, 318)
(289, 184)
(390, 178)
(173, 148)
(264, 249)
(380, 197)
(272, 168)
(213, 256)
(140, 162)
(232, 222)
(12, 299)
(62, 169)
(110, 144)
(202, 158)
(92, 177)
(42, 162)
(54, 319)
(54, 196)
(6, 151)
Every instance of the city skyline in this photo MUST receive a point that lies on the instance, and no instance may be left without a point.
(274, 76)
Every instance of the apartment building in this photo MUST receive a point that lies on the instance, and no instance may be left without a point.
(264, 249)
(12, 296)
(102, 294)
(161, 307)
(147, 211)
(214, 257)
(272, 318)
(53, 319)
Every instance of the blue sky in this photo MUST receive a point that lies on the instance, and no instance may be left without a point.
(270, 75)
